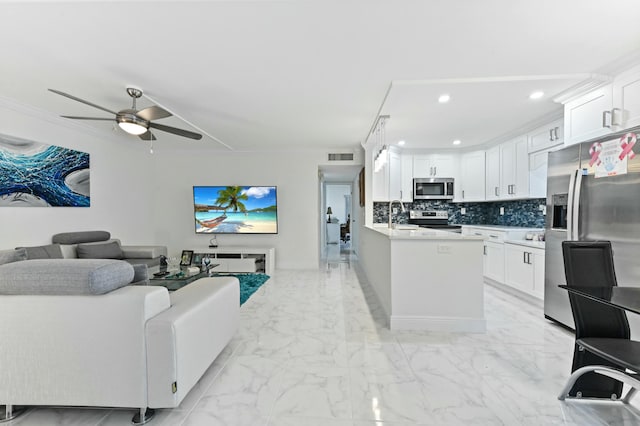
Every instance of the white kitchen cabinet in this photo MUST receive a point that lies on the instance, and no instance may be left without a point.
(524, 269)
(520, 188)
(626, 99)
(500, 257)
(538, 174)
(435, 165)
(492, 189)
(471, 185)
(494, 260)
(514, 169)
(395, 176)
(608, 109)
(406, 178)
(380, 184)
(589, 116)
(394, 181)
(546, 136)
(507, 170)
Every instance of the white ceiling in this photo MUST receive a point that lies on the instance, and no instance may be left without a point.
(264, 75)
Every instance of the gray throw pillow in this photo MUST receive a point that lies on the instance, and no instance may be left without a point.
(51, 251)
(8, 256)
(110, 250)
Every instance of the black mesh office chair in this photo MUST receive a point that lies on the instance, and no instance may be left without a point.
(603, 350)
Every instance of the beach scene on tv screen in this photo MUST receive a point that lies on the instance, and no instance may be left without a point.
(235, 209)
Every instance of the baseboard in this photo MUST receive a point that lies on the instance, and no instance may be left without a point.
(443, 324)
(535, 301)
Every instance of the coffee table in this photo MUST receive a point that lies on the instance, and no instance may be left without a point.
(177, 279)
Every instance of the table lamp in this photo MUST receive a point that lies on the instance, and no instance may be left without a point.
(329, 212)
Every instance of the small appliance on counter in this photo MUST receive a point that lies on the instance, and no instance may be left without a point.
(433, 219)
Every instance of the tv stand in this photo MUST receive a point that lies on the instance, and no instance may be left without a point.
(241, 258)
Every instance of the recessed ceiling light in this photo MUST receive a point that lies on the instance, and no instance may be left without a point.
(457, 142)
(443, 99)
(536, 95)
(401, 143)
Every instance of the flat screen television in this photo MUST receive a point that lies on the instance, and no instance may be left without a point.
(235, 209)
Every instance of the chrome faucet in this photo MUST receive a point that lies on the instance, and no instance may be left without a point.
(390, 203)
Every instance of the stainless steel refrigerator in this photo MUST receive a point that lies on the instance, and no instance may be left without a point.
(581, 206)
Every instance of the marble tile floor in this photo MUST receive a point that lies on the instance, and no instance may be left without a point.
(314, 349)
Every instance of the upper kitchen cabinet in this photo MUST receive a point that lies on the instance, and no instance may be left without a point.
(507, 170)
(547, 136)
(435, 165)
(395, 180)
(514, 172)
(609, 109)
(589, 116)
(380, 184)
(626, 99)
(492, 189)
(406, 178)
(471, 185)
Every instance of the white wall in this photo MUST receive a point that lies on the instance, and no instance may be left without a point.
(335, 199)
(147, 199)
(295, 174)
(120, 176)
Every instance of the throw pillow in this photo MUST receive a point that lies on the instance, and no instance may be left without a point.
(8, 256)
(51, 251)
(110, 250)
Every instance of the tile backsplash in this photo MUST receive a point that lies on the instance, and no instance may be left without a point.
(524, 213)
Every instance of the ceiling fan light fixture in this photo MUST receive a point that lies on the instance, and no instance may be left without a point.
(132, 128)
(131, 123)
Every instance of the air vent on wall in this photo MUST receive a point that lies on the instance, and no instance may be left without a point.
(343, 156)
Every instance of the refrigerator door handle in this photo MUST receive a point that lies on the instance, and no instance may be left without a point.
(572, 185)
(576, 207)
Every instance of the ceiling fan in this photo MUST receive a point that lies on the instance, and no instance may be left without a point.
(133, 121)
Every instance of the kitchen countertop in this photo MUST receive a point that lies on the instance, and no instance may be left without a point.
(422, 234)
(506, 228)
(527, 243)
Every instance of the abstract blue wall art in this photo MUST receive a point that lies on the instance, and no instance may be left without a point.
(34, 174)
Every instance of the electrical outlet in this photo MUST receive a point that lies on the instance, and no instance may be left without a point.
(463, 210)
(394, 210)
(444, 249)
(544, 210)
(501, 211)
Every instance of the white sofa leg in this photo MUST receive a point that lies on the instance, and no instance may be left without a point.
(9, 412)
(143, 416)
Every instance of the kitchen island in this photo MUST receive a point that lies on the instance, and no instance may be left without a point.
(426, 279)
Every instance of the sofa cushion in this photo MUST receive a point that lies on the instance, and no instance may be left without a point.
(64, 276)
(80, 237)
(8, 256)
(51, 251)
(108, 250)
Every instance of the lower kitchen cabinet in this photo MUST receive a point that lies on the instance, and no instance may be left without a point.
(524, 269)
(494, 261)
(510, 263)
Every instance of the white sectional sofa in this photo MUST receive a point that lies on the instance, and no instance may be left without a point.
(73, 333)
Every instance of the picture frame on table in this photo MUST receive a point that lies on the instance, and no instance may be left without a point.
(197, 259)
(186, 257)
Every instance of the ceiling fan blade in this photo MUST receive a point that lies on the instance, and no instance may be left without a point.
(176, 131)
(147, 136)
(81, 100)
(73, 117)
(153, 113)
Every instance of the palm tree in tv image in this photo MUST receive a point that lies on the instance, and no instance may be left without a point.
(230, 198)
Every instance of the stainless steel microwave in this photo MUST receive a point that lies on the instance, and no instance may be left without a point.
(433, 189)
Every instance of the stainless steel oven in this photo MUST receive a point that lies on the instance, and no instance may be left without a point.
(433, 189)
